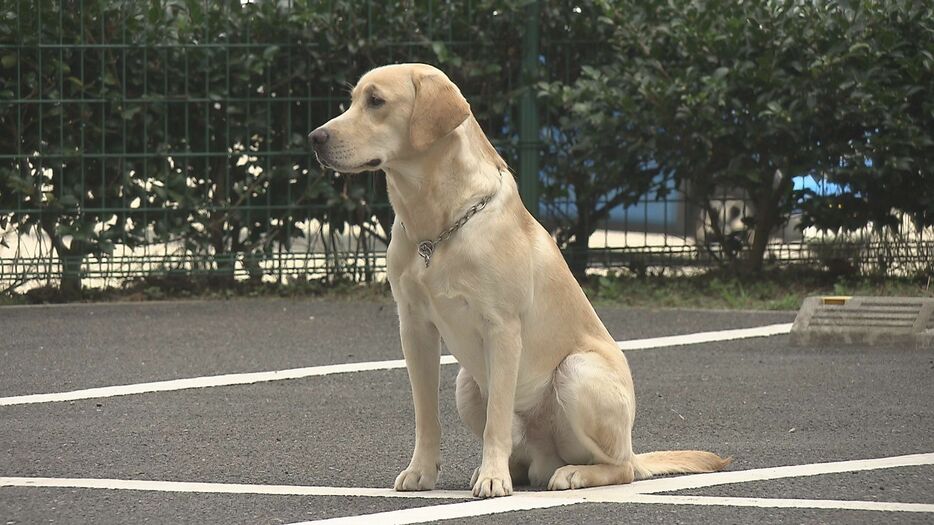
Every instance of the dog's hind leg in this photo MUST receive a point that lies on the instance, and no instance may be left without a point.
(544, 461)
(471, 404)
(594, 416)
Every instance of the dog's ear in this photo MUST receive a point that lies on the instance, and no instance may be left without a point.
(439, 108)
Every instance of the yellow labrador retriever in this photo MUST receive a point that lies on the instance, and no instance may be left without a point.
(542, 382)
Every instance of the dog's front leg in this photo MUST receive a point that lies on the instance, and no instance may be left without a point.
(503, 348)
(421, 346)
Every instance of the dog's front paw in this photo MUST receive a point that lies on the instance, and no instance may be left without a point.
(417, 478)
(491, 485)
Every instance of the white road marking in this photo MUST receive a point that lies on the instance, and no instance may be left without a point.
(225, 488)
(786, 503)
(706, 337)
(450, 511)
(638, 492)
(209, 381)
(298, 373)
(485, 507)
(695, 481)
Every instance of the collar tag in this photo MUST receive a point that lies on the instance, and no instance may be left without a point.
(425, 249)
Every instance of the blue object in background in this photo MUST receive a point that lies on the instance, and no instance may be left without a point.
(818, 186)
(648, 214)
(669, 215)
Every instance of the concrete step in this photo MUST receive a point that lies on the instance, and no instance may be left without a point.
(865, 321)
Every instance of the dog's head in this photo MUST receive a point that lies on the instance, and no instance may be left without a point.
(396, 112)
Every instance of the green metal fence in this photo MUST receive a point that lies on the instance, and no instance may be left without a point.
(162, 138)
(159, 138)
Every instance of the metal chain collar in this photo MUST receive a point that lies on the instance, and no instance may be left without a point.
(427, 248)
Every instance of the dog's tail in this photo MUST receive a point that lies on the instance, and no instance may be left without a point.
(677, 462)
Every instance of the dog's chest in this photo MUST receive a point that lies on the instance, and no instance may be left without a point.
(461, 327)
(433, 295)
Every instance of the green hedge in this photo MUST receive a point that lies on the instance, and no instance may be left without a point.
(744, 96)
(137, 123)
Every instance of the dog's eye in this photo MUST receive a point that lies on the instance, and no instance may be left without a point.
(375, 101)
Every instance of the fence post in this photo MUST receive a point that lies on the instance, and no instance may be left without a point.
(528, 111)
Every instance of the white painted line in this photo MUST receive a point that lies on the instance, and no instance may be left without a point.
(450, 511)
(695, 481)
(209, 381)
(599, 494)
(706, 337)
(225, 488)
(517, 503)
(638, 492)
(298, 373)
(783, 503)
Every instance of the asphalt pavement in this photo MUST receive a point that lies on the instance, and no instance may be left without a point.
(760, 400)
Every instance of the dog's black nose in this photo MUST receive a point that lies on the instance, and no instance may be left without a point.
(318, 136)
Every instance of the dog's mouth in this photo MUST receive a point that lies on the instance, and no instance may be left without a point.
(326, 163)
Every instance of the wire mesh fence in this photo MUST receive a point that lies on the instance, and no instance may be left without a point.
(169, 138)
